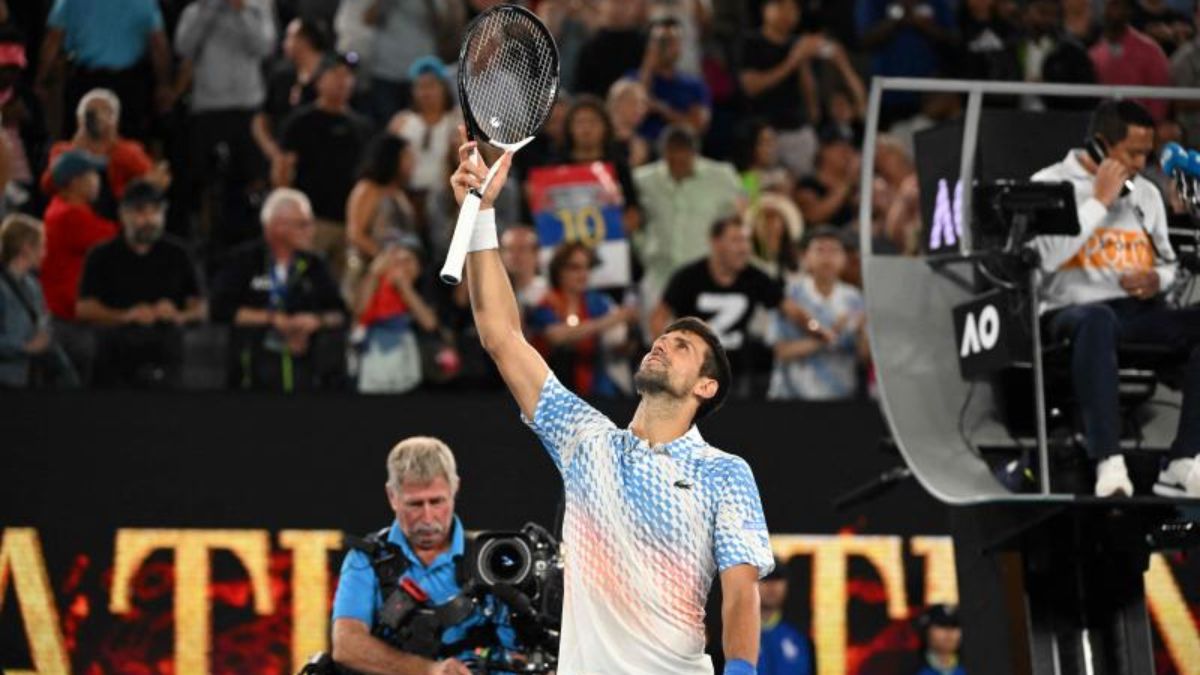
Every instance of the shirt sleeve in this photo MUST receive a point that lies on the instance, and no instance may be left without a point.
(772, 291)
(59, 15)
(563, 421)
(357, 595)
(741, 536)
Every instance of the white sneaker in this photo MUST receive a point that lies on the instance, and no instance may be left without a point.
(1112, 478)
(1173, 479)
(1192, 482)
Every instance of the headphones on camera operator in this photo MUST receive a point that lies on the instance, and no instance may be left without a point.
(521, 569)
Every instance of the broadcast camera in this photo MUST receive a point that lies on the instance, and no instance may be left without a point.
(520, 570)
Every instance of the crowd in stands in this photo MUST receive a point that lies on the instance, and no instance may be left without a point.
(254, 193)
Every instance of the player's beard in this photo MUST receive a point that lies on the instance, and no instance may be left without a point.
(653, 382)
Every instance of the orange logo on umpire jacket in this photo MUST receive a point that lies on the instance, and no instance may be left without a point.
(1111, 248)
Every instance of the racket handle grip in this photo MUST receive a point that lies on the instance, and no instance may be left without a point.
(456, 257)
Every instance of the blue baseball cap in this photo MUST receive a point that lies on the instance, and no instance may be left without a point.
(427, 65)
(74, 163)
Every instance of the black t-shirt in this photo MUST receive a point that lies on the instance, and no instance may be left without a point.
(244, 279)
(328, 147)
(120, 278)
(606, 57)
(783, 104)
(727, 309)
(285, 94)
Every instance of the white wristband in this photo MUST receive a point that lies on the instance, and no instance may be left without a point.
(483, 237)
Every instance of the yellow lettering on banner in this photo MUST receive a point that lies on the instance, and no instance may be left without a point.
(21, 554)
(193, 630)
(1171, 614)
(830, 554)
(585, 225)
(941, 576)
(310, 589)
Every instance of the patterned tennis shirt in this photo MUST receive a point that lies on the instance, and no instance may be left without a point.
(646, 528)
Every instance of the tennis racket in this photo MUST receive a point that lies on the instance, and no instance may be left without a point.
(507, 83)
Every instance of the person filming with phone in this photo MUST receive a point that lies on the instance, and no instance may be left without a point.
(99, 118)
(1106, 286)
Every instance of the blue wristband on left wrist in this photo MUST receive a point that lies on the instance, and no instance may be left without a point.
(740, 667)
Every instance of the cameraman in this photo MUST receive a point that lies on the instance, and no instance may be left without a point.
(421, 487)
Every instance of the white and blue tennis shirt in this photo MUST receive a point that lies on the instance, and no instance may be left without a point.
(646, 528)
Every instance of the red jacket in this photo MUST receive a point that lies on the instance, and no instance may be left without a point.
(71, 231)
(126, 160)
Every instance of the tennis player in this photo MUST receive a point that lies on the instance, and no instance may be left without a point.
(652, 510)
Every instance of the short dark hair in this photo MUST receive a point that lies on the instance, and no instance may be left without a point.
(677, 136)
(823, 232)
(381, 158)
(562, 255)
(717, 229)
(579, 104)
(715, 364)
(1112, 119)
(315, 32)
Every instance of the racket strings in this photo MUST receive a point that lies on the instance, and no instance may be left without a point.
(510, 77)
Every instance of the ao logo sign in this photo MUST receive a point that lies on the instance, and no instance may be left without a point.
(980, 334)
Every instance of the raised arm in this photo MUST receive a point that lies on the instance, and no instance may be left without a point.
(493, 302)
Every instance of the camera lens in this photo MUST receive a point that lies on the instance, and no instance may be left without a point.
(505, 561)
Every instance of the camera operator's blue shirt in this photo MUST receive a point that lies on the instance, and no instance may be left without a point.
(359, 595)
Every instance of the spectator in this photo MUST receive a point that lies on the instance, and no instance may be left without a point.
(806, 366)
(72, 228)
(614, 49)
(138, 290)
(844, 112)
(775, 226)
(1042, 25)
(725, 291)
(354, 33)
(1168, 27)
(905, 38)
(107, 43)
(519, 250)
(679, 194)
(28, 351)
(291, 83)
(430, 128)
(937, 107)
(628, 105)
(390, 311)
(676, 98)
(283, 303)
(1079, 22)
(405, 31)
(989, 43)
(784, 650)
(1185, 72)
(757, 158)
(225, 42)
(581, 332)
(322, 145)
(23, 131)
(1126, 55)
(830, 195)
(941, 637)
(571, 23)
(379, 213)
(590, 139)
(775, 78)
(692, 17)
(99, 114)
